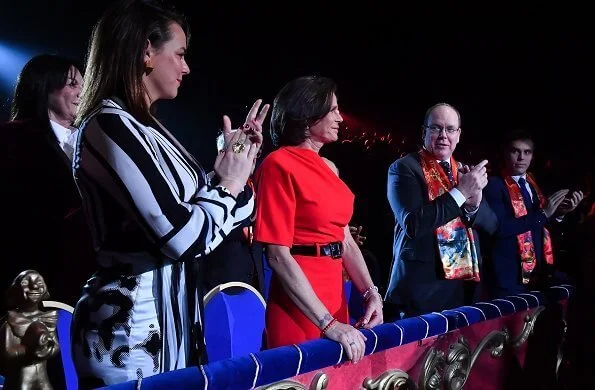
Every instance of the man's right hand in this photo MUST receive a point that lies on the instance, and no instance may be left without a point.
(472, 180)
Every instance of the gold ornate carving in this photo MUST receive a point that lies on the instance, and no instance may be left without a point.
(452, 369)
(460, 361)
(389, 380)
(319, 382)
(458, 364)
(530, 320)
(283, 385)
(432, 368)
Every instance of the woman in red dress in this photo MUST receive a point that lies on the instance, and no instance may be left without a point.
(303, 217)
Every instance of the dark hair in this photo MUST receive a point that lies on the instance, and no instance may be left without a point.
(115, 58)
(431, 109)
(516, 135)
(299, 104)
(41, 76)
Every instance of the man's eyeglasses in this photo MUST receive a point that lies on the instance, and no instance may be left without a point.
(435, 129)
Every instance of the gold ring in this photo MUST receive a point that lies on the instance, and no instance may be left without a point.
(238, 147)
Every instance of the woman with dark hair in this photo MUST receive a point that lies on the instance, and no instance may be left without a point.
(154, 212)
(302, 216)
(47, 228)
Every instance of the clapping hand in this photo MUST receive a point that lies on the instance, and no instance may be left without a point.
(551, 207)
(472, 180)
(570, 202)
(236, 161)
(252, 127)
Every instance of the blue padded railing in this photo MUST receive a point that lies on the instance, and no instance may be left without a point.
(258, 369)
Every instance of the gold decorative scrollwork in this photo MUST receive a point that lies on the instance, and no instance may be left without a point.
(458, 364)
(283, 385)
(460, 361)
(431, 372)
(527, 328)
(319, 382)
(390, 380)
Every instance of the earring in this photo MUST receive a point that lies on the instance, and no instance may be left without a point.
(148, 66)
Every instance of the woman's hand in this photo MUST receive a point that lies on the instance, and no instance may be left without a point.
(235, 162)
(373, 315)
(356, 234)
(352, 340)
(253, 125)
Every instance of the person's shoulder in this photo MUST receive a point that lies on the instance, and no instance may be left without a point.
(108, 108)
(11, 125)
(21, 131)
(407, 160)
(495, 179)
(277, 156)
(331, 165)
(495, 182)
(110, 114)
(275, 161)
(17, 125)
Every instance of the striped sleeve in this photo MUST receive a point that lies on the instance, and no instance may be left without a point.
(117, 156)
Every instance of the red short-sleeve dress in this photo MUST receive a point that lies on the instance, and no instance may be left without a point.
(301, 201)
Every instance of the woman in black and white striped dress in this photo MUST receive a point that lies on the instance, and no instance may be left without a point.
(152, 209)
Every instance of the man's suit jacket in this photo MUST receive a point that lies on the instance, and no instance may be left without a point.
(417, 279)
(234, 260)
(44, 227)
(502, 266)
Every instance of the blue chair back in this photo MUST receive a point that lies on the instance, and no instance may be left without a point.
(355, 301)
(268, 274)
(234, 321)
(63, 332)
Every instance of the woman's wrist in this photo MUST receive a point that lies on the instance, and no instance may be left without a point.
(232, 187)
(367, 293)
(327, 327)
(324, 321)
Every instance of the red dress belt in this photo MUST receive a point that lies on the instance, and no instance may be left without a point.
(333, 249)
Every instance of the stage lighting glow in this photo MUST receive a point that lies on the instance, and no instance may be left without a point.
(12, 60)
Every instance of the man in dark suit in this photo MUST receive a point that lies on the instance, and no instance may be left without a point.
(520, 252)
(437, 204)
(44, 226)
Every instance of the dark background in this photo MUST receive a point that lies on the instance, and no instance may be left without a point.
(529, 66)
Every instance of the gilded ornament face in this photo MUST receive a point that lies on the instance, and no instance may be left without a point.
(33, 287)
